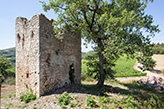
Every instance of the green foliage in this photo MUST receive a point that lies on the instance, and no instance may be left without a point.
(130, 102)
(158, 48)
(106, 107)
(26, 85)
(124, 67)
(64, 99)
(7, 65)
(9, 54)
(147, 96)
(27, 97)
(90, 101)
(23, 106)
(147, 62)
(11, 95)
(88, 54)
(103, 99)
(11, 72)
(10, 105)
(72, 105)
(4, 65)
(71, 77)
(116, 27)
(93, 67)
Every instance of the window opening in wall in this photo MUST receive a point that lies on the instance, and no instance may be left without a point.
(18, 37)
(32, 34)
(71, 71)
(27, 74)
(23, 41)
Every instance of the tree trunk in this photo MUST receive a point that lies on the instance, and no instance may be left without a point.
(101, 61)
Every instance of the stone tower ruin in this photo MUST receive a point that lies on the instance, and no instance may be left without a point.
(43, 62)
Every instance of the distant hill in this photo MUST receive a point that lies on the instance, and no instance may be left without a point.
(158, 48)
(87, 54)
(8, 53)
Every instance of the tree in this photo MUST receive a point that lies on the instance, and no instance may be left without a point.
(4, 65)
(115, 26)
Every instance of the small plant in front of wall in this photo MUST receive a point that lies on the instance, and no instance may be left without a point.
(64, 99)
(90, 101)
(27, 97)
(57, 52)
(26, 85)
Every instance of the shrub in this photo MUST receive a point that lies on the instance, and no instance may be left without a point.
(103, 99)
(90, 101)
(10, 105)
(72, 105)
(27, 97)
(64, 99)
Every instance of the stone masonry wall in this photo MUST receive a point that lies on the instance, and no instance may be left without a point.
(27, 55)
(43, 61)
(56, 57)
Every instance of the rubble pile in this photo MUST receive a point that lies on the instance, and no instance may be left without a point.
(156, 82)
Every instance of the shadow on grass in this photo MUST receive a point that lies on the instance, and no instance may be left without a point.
(138, 91)
(89, 89)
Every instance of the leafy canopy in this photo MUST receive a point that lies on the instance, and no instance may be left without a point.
(4, 65)
(118, 23)
(116, 27)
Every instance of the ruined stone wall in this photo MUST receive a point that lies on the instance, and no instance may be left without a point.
(42, 60)
(27, 55)
(56, 57)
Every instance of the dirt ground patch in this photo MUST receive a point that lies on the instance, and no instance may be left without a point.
(160, 61)
(7, 89)
(50, 100)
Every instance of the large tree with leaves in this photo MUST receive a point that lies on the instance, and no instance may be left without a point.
(4, 65)
(116, 27)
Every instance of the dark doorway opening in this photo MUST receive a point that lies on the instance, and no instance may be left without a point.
(71, 73)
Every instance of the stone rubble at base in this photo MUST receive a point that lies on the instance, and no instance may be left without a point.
(156, 82)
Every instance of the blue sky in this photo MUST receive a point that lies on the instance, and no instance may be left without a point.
(10, 9)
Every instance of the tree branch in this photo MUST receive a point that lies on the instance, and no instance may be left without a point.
(73, 15)
(85, 17)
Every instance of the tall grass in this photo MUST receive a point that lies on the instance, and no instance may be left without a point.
(123, 68)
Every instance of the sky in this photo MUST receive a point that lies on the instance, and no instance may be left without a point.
(10, 9)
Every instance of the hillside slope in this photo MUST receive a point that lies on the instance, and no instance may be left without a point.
(8, 53)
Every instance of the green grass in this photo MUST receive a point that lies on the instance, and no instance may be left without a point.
(131, 95)
(124, 68)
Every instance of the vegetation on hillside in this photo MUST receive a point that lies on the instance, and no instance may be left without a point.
(158, 48)
(86, 55)
(7, 66)
(123, 67)
(9, 54)
(6, 69)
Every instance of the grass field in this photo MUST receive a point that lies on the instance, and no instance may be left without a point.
(124, 68)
